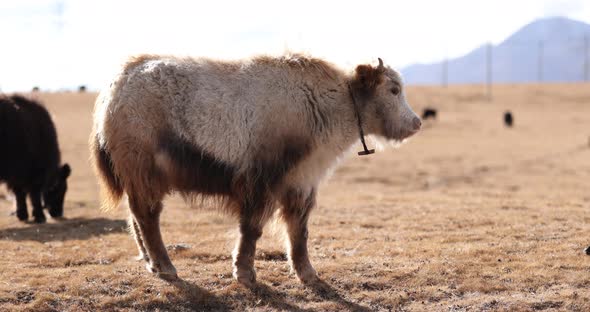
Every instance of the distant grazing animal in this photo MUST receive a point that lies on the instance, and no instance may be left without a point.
(257, 135)
(508, 119)
(82, 89)
(30, 158)
(429, 113)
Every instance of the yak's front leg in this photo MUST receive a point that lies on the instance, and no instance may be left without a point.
(297, 204)
(38, 214)
(252, 220)
(21, 204)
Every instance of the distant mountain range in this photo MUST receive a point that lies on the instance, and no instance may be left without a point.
(550, 49)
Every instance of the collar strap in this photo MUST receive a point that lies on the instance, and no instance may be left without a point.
(366, 151)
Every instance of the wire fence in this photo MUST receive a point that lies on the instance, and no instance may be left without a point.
(514, 61)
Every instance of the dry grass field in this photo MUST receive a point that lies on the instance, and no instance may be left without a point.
(466, 216)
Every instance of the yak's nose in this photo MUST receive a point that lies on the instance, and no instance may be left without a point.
(416, 123)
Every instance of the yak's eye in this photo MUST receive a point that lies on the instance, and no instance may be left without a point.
(395, 90)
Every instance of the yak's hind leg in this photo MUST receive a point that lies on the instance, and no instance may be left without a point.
(134, 229)
(297, 204)
(147, 218)
(253, 216)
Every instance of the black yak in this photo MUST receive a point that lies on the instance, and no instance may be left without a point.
(30, 158)
(508, 119)
(429, 113)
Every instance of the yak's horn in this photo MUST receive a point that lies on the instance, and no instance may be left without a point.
(380, 67)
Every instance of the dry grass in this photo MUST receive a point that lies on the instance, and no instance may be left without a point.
(467, 216)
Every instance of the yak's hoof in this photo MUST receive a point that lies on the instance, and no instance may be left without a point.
(142, 257)
(168, 275)
(308, 276)
(22, 216)
(587, 250)
(246, 277)
(56, 215)
(40, 219)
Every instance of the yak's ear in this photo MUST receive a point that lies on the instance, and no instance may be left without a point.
(367, 78)
(65, 171)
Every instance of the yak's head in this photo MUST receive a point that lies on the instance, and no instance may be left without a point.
(55, 191)
(382, 103)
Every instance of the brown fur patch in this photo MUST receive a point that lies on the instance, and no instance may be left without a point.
(297, 203)
(365, 80)
(253, 189)
(274, 162)
(110, 186)
(192, 169)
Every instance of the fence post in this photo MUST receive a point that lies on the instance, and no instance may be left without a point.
(586, 58)
(445, 72)
(489, 71)
(540, 65)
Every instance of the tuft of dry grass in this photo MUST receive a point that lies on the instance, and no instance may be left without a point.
(467, 216)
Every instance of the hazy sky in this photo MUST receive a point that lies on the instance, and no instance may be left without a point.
(59, 44)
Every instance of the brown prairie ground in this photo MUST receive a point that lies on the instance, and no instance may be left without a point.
(466, 216)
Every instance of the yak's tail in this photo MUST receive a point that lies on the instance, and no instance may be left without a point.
(110, 185)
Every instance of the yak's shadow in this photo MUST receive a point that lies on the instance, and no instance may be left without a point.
(189, 297)
(324, 291)
(194, 297)
(269, 296)
(261, 295)
(327, 292)
(64, 229)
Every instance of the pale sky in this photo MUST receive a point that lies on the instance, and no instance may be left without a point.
(63, 44)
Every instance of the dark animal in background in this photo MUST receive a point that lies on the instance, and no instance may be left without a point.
(429, 113)
(35, 89)
(508, 119)
(82, 89)
(30, 158)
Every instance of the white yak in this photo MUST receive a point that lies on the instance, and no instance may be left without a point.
(257, 134)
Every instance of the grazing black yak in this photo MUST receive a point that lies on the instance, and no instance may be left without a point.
(30, 158)
(429, 113)
(508, 119)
